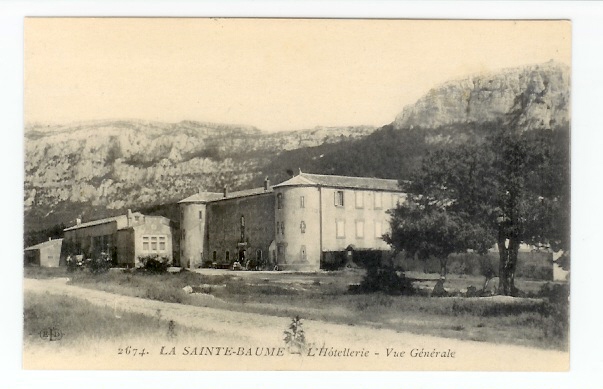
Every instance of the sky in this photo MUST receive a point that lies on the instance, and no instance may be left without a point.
(274, 74)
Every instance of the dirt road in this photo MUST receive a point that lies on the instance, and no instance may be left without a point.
(331, 346)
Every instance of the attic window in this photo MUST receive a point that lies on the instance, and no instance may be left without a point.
(339, 198)
(200, 215)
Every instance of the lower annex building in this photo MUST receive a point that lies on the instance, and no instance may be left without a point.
(125, 238)
(296, 225)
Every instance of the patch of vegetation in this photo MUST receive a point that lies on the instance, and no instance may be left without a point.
(539, 321)
(295, 337)
(154, 263)
(78, 319)
(386, 280)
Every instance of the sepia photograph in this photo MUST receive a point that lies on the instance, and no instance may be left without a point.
(296, 194)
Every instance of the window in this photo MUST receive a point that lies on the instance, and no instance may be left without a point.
(302, 227)
(183, 234)
(339, 198)
(258, 255)
(378, 230)
(359, 228)
(215, 256)
(303, 253)
(154, 243)
(242, 221)
(227, 256)
(302, 202)
(279, 201)
(283, 228)
(340, 228)
(378, 200)
(359, 199)
(200, 215)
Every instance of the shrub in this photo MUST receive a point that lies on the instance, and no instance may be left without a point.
(154, 263)
(556, 310)
(386, 280)
(75, 262)
(99, 263)
(295, 338)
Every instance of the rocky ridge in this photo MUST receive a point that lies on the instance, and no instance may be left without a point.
(534, 96)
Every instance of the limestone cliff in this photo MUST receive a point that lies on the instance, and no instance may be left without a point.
(534, 97)
(96, 168)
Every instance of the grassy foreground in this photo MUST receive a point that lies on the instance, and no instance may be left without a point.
(82, 323)
(533, 322)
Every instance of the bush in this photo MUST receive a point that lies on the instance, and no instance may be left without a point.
(75, 262)
(99, 263)
(386, 280)
(556, 310)
(154, 263)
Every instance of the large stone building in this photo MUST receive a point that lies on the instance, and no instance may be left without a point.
(296, 224)
(125, 238)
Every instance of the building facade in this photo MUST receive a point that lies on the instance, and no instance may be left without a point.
(218, 229)
(45, 254)
(125, 238)
(293, 225)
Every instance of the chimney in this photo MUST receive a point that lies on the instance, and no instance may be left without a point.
(78, 221)
(129, 217)
(266, 184)
(225, 191)
(200, 189)
(49, 238)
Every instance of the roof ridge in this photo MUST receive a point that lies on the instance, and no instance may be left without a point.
(342, 176)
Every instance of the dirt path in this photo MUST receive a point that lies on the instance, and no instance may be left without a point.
(374, 349)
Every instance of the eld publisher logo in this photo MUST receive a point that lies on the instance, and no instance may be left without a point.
(51, 334)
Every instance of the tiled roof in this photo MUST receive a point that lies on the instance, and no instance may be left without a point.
(306, 179)
(46, 243)
(207, 197)
(94, 222)
(202, 197)
(101, 221)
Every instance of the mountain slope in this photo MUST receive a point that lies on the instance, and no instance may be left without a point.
(528, 98)
(97, 169)
(100, 168)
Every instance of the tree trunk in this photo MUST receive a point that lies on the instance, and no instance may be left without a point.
(443, 269)
(512, 265)
(507, 266)
(502, 267)
(486, 282)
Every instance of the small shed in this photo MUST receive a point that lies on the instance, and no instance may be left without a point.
(47, 254)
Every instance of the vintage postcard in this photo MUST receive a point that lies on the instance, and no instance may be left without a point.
(296, 194)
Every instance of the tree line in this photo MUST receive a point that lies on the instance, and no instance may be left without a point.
(507, 188)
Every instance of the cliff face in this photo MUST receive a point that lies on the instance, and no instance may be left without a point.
(95, 169)
(72, 170)
(534, 97)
